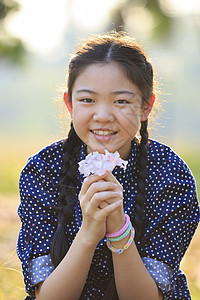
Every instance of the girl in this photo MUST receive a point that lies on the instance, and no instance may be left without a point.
(76, 240)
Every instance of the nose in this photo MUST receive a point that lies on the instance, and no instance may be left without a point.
(103, 113)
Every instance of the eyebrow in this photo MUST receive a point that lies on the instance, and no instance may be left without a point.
(85, 91)
(123, 92)
(118, 92)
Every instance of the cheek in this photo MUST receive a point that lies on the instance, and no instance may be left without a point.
(80, 122)
(130, 119)
(78, 114)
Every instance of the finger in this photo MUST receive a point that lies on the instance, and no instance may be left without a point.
(111, 178)
(98, 187)
(107, 195)
(98, 198)
(88, 181)
(103, 204)
(106, 211)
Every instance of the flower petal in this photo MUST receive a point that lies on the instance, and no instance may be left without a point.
(97, 164)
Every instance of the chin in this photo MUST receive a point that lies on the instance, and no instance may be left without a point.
(100, 150)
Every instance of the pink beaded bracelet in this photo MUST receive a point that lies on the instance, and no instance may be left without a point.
(120, 231)
(118, 250)
(121, 237)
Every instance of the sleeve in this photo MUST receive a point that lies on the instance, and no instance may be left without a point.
(38, 221)
(173, 211)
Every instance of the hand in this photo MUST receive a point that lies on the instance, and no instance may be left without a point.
(96, 190)
(115, 219)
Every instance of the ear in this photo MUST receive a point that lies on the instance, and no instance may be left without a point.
(67, 102)
(147, 107)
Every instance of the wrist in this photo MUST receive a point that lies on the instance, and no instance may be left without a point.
(120, 229)
(115, 224)
(122, 242)
(125, 235)
(86, 240)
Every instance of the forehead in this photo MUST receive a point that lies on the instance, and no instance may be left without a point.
(104, 76)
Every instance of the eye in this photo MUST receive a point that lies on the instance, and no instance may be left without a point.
(86, 100)
(122, 101)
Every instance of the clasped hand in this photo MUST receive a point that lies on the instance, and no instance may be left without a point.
(101, 201)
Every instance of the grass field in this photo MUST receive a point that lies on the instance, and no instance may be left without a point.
(11, 279)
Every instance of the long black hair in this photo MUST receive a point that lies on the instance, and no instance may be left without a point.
(125, 51)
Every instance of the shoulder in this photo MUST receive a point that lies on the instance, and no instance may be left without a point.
(164, 158)
(168, 173)
(44, 165)
(170, 184)
(49, 154)
(162, 152)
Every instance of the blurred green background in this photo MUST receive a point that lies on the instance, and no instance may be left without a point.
(36, 40)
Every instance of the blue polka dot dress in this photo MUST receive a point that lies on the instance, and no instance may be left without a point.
(171, 210)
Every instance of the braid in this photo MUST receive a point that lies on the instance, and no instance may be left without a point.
(139, 224)
(111, 291)
(142, 174)
(67, 190)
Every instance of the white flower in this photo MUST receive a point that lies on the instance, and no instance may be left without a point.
(97, 164)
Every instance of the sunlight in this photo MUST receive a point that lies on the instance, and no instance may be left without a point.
(40, 24)
(90, 14)
(181, 7)
(140, 19)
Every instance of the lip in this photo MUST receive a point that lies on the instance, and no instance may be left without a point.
(102, 137)
(104, 129)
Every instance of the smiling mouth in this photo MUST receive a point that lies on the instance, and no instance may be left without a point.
(103, 132)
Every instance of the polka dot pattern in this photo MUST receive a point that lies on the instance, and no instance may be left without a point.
(40, 268)
(160, 272)
(171, 208)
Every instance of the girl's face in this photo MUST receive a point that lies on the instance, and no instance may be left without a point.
(107, 109)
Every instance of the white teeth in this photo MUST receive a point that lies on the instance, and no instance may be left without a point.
(103, 132)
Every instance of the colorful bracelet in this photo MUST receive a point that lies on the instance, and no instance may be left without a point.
(119, 238)
(120, 231)
(118, 250)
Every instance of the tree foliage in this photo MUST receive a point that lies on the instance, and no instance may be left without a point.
(162, 20)
(11, 48)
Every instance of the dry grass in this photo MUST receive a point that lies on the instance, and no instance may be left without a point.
(11, 278)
